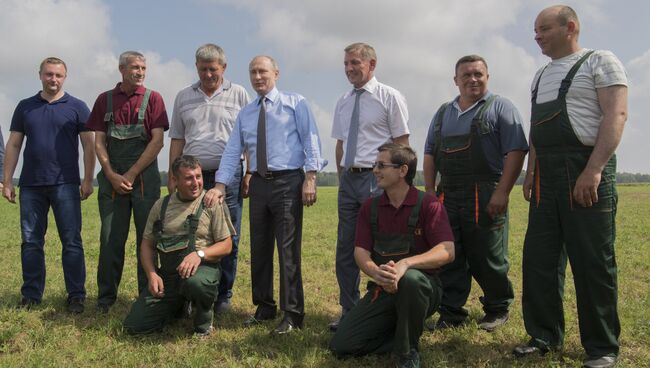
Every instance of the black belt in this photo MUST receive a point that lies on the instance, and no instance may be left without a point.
(276, 174)
(358, 170)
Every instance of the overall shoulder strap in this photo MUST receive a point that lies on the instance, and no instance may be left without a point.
(374, 219)
(193, 220)
(108, 116)
(143, 106)
(415, 213)
(566, 82)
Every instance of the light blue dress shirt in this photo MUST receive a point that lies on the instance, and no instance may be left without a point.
(292, 140)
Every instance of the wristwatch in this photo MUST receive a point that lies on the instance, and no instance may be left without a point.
(201, 254)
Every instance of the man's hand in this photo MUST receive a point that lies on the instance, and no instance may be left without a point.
(215, 195)
(498, 204)
(384, 276)
(189, 265)
(245, 184)
(9, 192)
(397, 270)
(86, 189)
(156, 286)
(309, 189)
(120, 184)
(585, 191)
(528, 186)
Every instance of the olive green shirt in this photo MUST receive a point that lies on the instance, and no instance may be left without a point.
(214, 223)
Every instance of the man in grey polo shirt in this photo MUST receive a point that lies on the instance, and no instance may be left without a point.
(366, 117)
(204, 115)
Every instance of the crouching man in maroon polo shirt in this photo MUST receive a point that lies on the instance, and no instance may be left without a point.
(403, 237)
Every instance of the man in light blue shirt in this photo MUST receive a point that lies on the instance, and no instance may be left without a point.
(279, 133)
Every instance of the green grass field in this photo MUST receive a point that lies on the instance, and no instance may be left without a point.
(48, 336)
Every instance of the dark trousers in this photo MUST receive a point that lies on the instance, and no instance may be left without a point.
(276, 214)
(234, 201)
(149, 314)
(382, 322)
(354, 189)
(557, 229)
(35, 203)
(481, 252)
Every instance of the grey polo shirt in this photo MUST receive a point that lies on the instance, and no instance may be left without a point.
(206, 122)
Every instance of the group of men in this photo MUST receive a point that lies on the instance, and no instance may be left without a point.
(420, 249)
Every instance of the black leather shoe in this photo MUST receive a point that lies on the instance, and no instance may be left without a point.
(103, 308)
(27, 304)
(522, 351)
(75, 305)
(286, 326)
(261, 314)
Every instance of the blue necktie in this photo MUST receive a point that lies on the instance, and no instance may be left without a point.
(353, 133)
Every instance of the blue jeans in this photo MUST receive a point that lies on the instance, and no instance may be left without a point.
(35, 203)
(234, 201)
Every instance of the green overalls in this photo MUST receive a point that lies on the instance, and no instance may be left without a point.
(125, 145)
(149, 314)
(557, 227)
(481, 242)
(382, 322)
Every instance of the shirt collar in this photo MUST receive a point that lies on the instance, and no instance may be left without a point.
(225, 85)
(410, 200)
(484, 98)
(271, 96)
(371, 86)
(63, 98)
(138, 91)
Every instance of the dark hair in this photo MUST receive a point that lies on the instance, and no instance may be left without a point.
(188, 161)
(470, 59)
(402, 155)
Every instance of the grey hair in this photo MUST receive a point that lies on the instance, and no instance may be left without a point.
(126, 55)
(211, 52)
(274, 64)
(366, 51)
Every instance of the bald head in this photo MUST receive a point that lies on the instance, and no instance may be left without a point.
(556, 31)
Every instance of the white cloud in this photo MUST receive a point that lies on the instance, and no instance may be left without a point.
(79, 32)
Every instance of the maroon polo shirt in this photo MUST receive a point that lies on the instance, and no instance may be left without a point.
(125, 110)
(432, 227)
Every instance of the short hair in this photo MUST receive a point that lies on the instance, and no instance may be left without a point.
(274, 64)
(211, 52)
(187, 161)
(470, 59)
(565, 14)
(126, 55)
(52, 60)
(402, 155)
(366, 51)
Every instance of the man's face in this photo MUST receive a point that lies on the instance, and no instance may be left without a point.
(471, 79)
(550, 35)
(388, 176)
(52, 77)
(263, 75)
(133, 72)
(358, 70)
(189, 183)
(210, 74)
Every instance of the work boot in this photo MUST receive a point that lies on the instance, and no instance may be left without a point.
(492, 320)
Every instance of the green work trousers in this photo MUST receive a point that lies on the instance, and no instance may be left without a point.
(382, 322)
(115, 213)
(557, 228)
(149, 314)
(481, 251)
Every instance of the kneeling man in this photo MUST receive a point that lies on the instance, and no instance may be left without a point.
(402, 238)
(190, 241)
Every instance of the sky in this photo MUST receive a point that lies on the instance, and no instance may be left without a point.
(417, 44)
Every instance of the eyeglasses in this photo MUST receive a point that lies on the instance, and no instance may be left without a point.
(382, 165)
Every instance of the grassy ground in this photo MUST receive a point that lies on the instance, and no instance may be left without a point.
(48, 336)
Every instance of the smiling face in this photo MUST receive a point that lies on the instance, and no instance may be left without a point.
(133, 72)
(263, 75)
(189, 182)
(210, 74)
(358, 70)
(388, 176)
(471, 79)
(52, 77)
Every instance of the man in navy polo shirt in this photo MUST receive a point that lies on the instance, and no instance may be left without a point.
(52, 121)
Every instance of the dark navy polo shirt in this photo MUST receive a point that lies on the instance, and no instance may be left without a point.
(51, 130)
